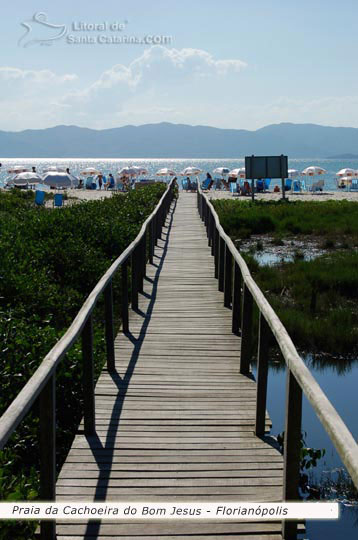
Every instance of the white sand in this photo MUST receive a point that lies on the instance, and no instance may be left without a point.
(78, 195)
(303, 196)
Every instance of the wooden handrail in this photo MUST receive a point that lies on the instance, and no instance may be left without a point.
(42, 383)
(338, 432)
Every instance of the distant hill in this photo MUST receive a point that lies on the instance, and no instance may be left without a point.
(344, 156)
(165, 140)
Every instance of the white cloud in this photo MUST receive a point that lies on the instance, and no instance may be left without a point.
(31, 76)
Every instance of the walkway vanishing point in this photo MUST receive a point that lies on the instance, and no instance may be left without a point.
(176, 421)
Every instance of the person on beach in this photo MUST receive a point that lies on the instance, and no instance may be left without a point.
(100, 181)
(89, 182)
(33, 169)
(209, 177)
(111, 183)
(80, 184)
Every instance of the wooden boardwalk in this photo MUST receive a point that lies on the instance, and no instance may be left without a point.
(176, 422)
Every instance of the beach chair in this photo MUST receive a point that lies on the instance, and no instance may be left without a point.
(288, 184)
(58, 200)
(233, 187)
(39, 197)
(120, 186)
(267, 182)
(260, 186)
(317, 186)
(296, 186)
(206, 183)
(354, 184)
(185, 184)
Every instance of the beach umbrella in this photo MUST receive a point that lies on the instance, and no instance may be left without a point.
(223, 171)
(292, 173)
(140, 170)
(53, 168)
(24, 178)
(238, 173)
(128, 171)
(189, 171)
(90, 171)
(57, 179)
(17, 169)
(165, 172)
(313, 170)
(346, 172)
(234, 173)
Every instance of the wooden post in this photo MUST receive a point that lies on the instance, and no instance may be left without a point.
(253, 190)
(246, 331)
(283, 189)
(108, 306)
(210, 227)
(216, 252)
(221, 264)
(140, 261)
(88, 378)
(236, 301)
(156, 231)
(48, 453)
(145, 252)
(125, 323)
(213, 237)
(228, 278)
(151, 242)
(262, 371)
(292, 444)
(134, 268)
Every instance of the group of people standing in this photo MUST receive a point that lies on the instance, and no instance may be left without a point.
(100, 180)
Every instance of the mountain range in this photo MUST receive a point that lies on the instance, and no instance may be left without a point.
(166, 140)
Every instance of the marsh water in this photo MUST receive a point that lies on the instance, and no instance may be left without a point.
(338, 378)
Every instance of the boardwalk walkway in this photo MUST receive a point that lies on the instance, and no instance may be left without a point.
(176, 421)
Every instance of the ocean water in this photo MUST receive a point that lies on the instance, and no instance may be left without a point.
(153, 165)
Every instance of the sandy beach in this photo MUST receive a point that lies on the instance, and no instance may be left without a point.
(78, 195)
(303, 196)
(95, 195)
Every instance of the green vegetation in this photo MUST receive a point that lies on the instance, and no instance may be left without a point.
(317, 299)
(329, 219)
(50, 261)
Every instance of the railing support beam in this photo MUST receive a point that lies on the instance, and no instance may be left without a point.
(236, 301)
(47, 404)
(108, 303)
(262, 371)
(246, 332)
(88, 378)
(125, 317)
(292, 450)
(228, 278)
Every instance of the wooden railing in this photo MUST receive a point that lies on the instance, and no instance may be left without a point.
(42, 383)
(240, 291)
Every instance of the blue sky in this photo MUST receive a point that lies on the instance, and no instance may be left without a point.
(232, 64)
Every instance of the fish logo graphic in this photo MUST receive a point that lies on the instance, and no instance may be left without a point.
(37, 27)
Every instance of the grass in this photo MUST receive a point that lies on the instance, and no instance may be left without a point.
(316, 300)
(50, 261)
(328, 219)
